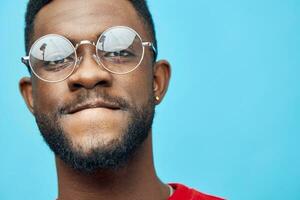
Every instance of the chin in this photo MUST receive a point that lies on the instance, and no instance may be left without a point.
(88, 141)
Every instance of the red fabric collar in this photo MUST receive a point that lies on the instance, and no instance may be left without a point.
(182, 192)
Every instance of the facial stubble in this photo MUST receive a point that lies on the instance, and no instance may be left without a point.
(110, 156)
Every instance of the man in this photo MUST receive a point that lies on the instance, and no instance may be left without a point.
(93, 89)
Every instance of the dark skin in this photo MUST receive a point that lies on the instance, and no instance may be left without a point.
(85, 20)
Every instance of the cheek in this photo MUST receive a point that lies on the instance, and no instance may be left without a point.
(139, 85)
(47, 96)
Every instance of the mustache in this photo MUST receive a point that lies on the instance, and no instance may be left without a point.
(92, 96)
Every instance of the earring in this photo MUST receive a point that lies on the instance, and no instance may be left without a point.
(157, 98)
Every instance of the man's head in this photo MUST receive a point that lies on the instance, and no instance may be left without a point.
(108, 135)
(34, 6)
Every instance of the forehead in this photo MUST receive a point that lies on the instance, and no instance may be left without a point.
(82, 19)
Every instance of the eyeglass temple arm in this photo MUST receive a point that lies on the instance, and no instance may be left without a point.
(150, 44)
(25, 60)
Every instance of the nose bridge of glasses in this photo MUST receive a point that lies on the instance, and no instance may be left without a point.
(85, 42)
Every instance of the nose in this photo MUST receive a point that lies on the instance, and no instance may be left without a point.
(88, 73)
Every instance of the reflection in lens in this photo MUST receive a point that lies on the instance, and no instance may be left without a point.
(52, 57)
(120, 49)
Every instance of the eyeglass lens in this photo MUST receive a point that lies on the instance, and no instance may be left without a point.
(119, 49)
(52, 57)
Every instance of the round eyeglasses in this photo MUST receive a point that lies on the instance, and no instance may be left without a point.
(119, 49)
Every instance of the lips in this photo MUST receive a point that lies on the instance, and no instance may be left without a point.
(93, 104)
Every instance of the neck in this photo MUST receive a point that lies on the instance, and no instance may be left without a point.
(136, 180)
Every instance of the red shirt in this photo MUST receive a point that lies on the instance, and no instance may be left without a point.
(182, 192)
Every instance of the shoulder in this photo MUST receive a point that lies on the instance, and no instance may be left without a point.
(182, 192)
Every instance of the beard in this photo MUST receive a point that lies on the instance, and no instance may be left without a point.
(113, 155)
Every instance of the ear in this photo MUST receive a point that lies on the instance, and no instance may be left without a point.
(162, 74)
(25, 86)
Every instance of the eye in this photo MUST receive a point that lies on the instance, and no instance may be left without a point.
(122, 53)
(57, 65)
(60, 61)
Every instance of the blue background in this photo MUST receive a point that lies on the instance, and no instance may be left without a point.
(229, 124)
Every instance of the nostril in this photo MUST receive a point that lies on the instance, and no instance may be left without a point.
(79, 85)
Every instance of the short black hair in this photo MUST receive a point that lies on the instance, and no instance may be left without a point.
(34, 6)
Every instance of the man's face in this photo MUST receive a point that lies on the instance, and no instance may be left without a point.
(90, 132)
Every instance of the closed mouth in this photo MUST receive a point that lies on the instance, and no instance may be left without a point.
(93, 104)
